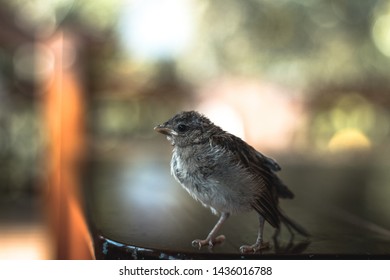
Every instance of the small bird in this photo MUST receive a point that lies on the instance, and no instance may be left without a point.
(227, 175)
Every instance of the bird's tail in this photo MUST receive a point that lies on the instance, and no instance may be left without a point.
(281, 189)
(292, 224)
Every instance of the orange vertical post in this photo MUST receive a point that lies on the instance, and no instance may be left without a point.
(64, 118)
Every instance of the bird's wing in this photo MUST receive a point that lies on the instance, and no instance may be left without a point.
(271, 163)
(245, 154)
(260, 166)
(255, 161)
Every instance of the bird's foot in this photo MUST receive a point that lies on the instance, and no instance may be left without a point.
(209, 241)
(258, 246)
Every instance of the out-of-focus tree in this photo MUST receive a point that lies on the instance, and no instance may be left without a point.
(294, 42)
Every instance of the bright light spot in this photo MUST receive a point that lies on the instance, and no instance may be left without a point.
(157, 29)
(381, 34)
(265, 114)
(224, 116)
(349, 139)
(24, 243)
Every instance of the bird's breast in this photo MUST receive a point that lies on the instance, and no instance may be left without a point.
(219, 187)
(187, 172)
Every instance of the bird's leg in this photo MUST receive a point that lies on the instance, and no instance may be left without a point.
(259, 241)
(212, 238)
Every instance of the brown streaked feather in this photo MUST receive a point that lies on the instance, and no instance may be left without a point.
(255, 161)
(247, 156)
(258, 165)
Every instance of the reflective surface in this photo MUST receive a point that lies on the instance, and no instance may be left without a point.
(137, 210)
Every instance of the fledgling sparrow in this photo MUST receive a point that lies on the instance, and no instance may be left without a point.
(225, 174)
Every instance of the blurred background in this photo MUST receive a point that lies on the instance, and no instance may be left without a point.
(83, 83)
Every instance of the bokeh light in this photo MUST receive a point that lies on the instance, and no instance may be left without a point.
(33, 63)
(381, 34)
(157, 29)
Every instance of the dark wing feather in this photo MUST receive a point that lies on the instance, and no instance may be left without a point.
(271, 163)
(261, 167)
(255, 161)
(245, 154)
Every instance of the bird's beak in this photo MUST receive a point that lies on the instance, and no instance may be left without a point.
(165, 130)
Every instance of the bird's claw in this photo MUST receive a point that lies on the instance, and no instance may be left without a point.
(199, 243)
(208, 241)
(258, 246)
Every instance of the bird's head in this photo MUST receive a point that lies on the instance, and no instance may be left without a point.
(186, 128)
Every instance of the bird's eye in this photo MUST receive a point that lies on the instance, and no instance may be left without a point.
(182, 128)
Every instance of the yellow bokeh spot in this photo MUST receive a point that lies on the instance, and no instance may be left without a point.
(381, 34)
(349, 139)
